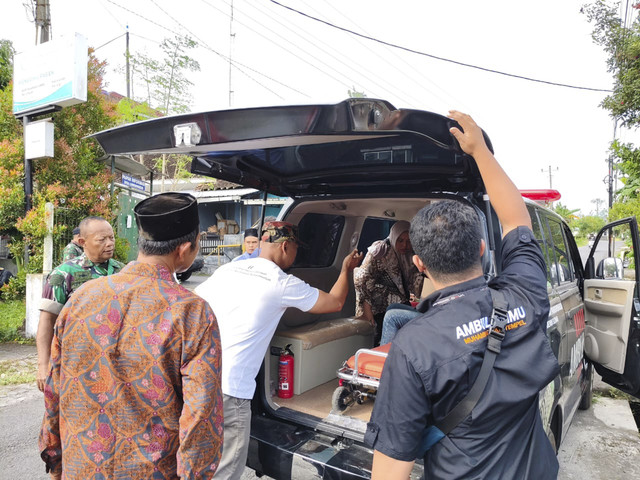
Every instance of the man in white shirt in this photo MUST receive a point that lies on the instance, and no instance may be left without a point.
(247, 324)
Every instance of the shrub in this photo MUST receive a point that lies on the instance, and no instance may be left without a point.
(16, 289)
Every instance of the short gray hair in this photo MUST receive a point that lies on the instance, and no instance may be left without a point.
(165, 247)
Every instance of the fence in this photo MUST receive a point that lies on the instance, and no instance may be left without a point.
(4, 246)
(209, 244)
(70, 219)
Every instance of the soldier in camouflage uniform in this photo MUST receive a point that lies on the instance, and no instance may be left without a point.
(73, 248)
(98, 241)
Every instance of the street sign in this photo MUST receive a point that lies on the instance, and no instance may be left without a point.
(129, 181)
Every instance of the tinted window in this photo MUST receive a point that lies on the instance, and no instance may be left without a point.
(561, 264)
(321, 234)
(373, 229)
(540, 237)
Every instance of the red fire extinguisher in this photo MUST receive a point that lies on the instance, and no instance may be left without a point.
(285, 373)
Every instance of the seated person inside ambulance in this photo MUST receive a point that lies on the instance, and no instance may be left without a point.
(387, 276)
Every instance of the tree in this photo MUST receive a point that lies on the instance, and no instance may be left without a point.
(166, 84)
(622, 44)
(598, 202)
(72, 178)
(6, 62)
(588, 224)
(565, 212)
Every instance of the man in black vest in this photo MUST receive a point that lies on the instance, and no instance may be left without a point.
(435, 358)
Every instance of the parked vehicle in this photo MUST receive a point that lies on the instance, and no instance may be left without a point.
(351, 170)
(196, 266)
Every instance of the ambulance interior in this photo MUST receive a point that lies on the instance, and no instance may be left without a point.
(322, 343)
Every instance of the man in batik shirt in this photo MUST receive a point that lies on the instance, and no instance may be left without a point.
(73, 248)
(134, 389)
(96, 236)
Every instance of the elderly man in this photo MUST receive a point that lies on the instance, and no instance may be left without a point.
(246, 327)
(73, 248)
(97, 239)
(134, 388)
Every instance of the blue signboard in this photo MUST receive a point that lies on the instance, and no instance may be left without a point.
(129, 181)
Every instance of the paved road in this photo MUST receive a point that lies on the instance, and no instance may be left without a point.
(21, 410)
(602, 443)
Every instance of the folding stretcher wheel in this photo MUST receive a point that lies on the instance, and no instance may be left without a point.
(342, 399)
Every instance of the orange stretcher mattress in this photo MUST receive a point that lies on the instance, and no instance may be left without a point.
(370, 365)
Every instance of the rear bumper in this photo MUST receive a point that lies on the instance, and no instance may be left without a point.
(287, 452)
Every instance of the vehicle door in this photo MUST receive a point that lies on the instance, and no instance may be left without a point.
(612, 340)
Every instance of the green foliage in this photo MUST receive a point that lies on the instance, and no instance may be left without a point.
(11, 185)
(166, 84)
(623, 47)
(628, 208)
(130, 111)
(6, 62)
(72, 178)
(588, 224)
(12, 316)
(622, 44)
(10, 128)
(121, 252)
(565, 212)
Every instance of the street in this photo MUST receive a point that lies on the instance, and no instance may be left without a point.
(602, 442)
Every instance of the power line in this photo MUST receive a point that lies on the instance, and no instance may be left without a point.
(351, 63)
(112, 40)
(424, 54)
(408, 65)
(204, 45)
(289, 51)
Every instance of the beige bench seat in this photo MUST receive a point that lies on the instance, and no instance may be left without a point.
(319, 349)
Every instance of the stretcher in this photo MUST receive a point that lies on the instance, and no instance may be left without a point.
(359, 377)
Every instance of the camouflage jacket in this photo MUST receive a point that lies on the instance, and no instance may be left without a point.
(68, 276)
(72, 250)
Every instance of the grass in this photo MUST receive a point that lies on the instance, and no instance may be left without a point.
(612, 393)
(15, 372)
(12, 316)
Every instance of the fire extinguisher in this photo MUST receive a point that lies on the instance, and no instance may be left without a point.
(285, 373)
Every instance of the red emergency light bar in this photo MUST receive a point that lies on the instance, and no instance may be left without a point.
(541, 195)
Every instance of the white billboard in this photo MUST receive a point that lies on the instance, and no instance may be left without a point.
(52, 73)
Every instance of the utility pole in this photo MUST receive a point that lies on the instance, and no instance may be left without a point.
(43, 21)
(550, 175)
(610, 162)
(128, 74)
(43, 34)
(232, 37)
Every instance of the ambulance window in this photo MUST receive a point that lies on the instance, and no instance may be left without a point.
(321, 234)
(373, 229)
(537, 232)
(562, 261)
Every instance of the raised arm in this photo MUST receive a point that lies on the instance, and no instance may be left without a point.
(505, 197)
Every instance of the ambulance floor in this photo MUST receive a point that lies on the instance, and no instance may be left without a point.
(317, 402)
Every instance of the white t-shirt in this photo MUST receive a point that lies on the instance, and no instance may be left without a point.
(248, 299)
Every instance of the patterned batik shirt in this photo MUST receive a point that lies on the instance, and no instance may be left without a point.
(68, 276)
(134, 388)
(72, 250)
(380, 282)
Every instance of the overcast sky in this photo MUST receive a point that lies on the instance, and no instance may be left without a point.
(286, 58)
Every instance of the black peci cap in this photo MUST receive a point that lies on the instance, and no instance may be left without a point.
(167, 216)
(251, 232)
